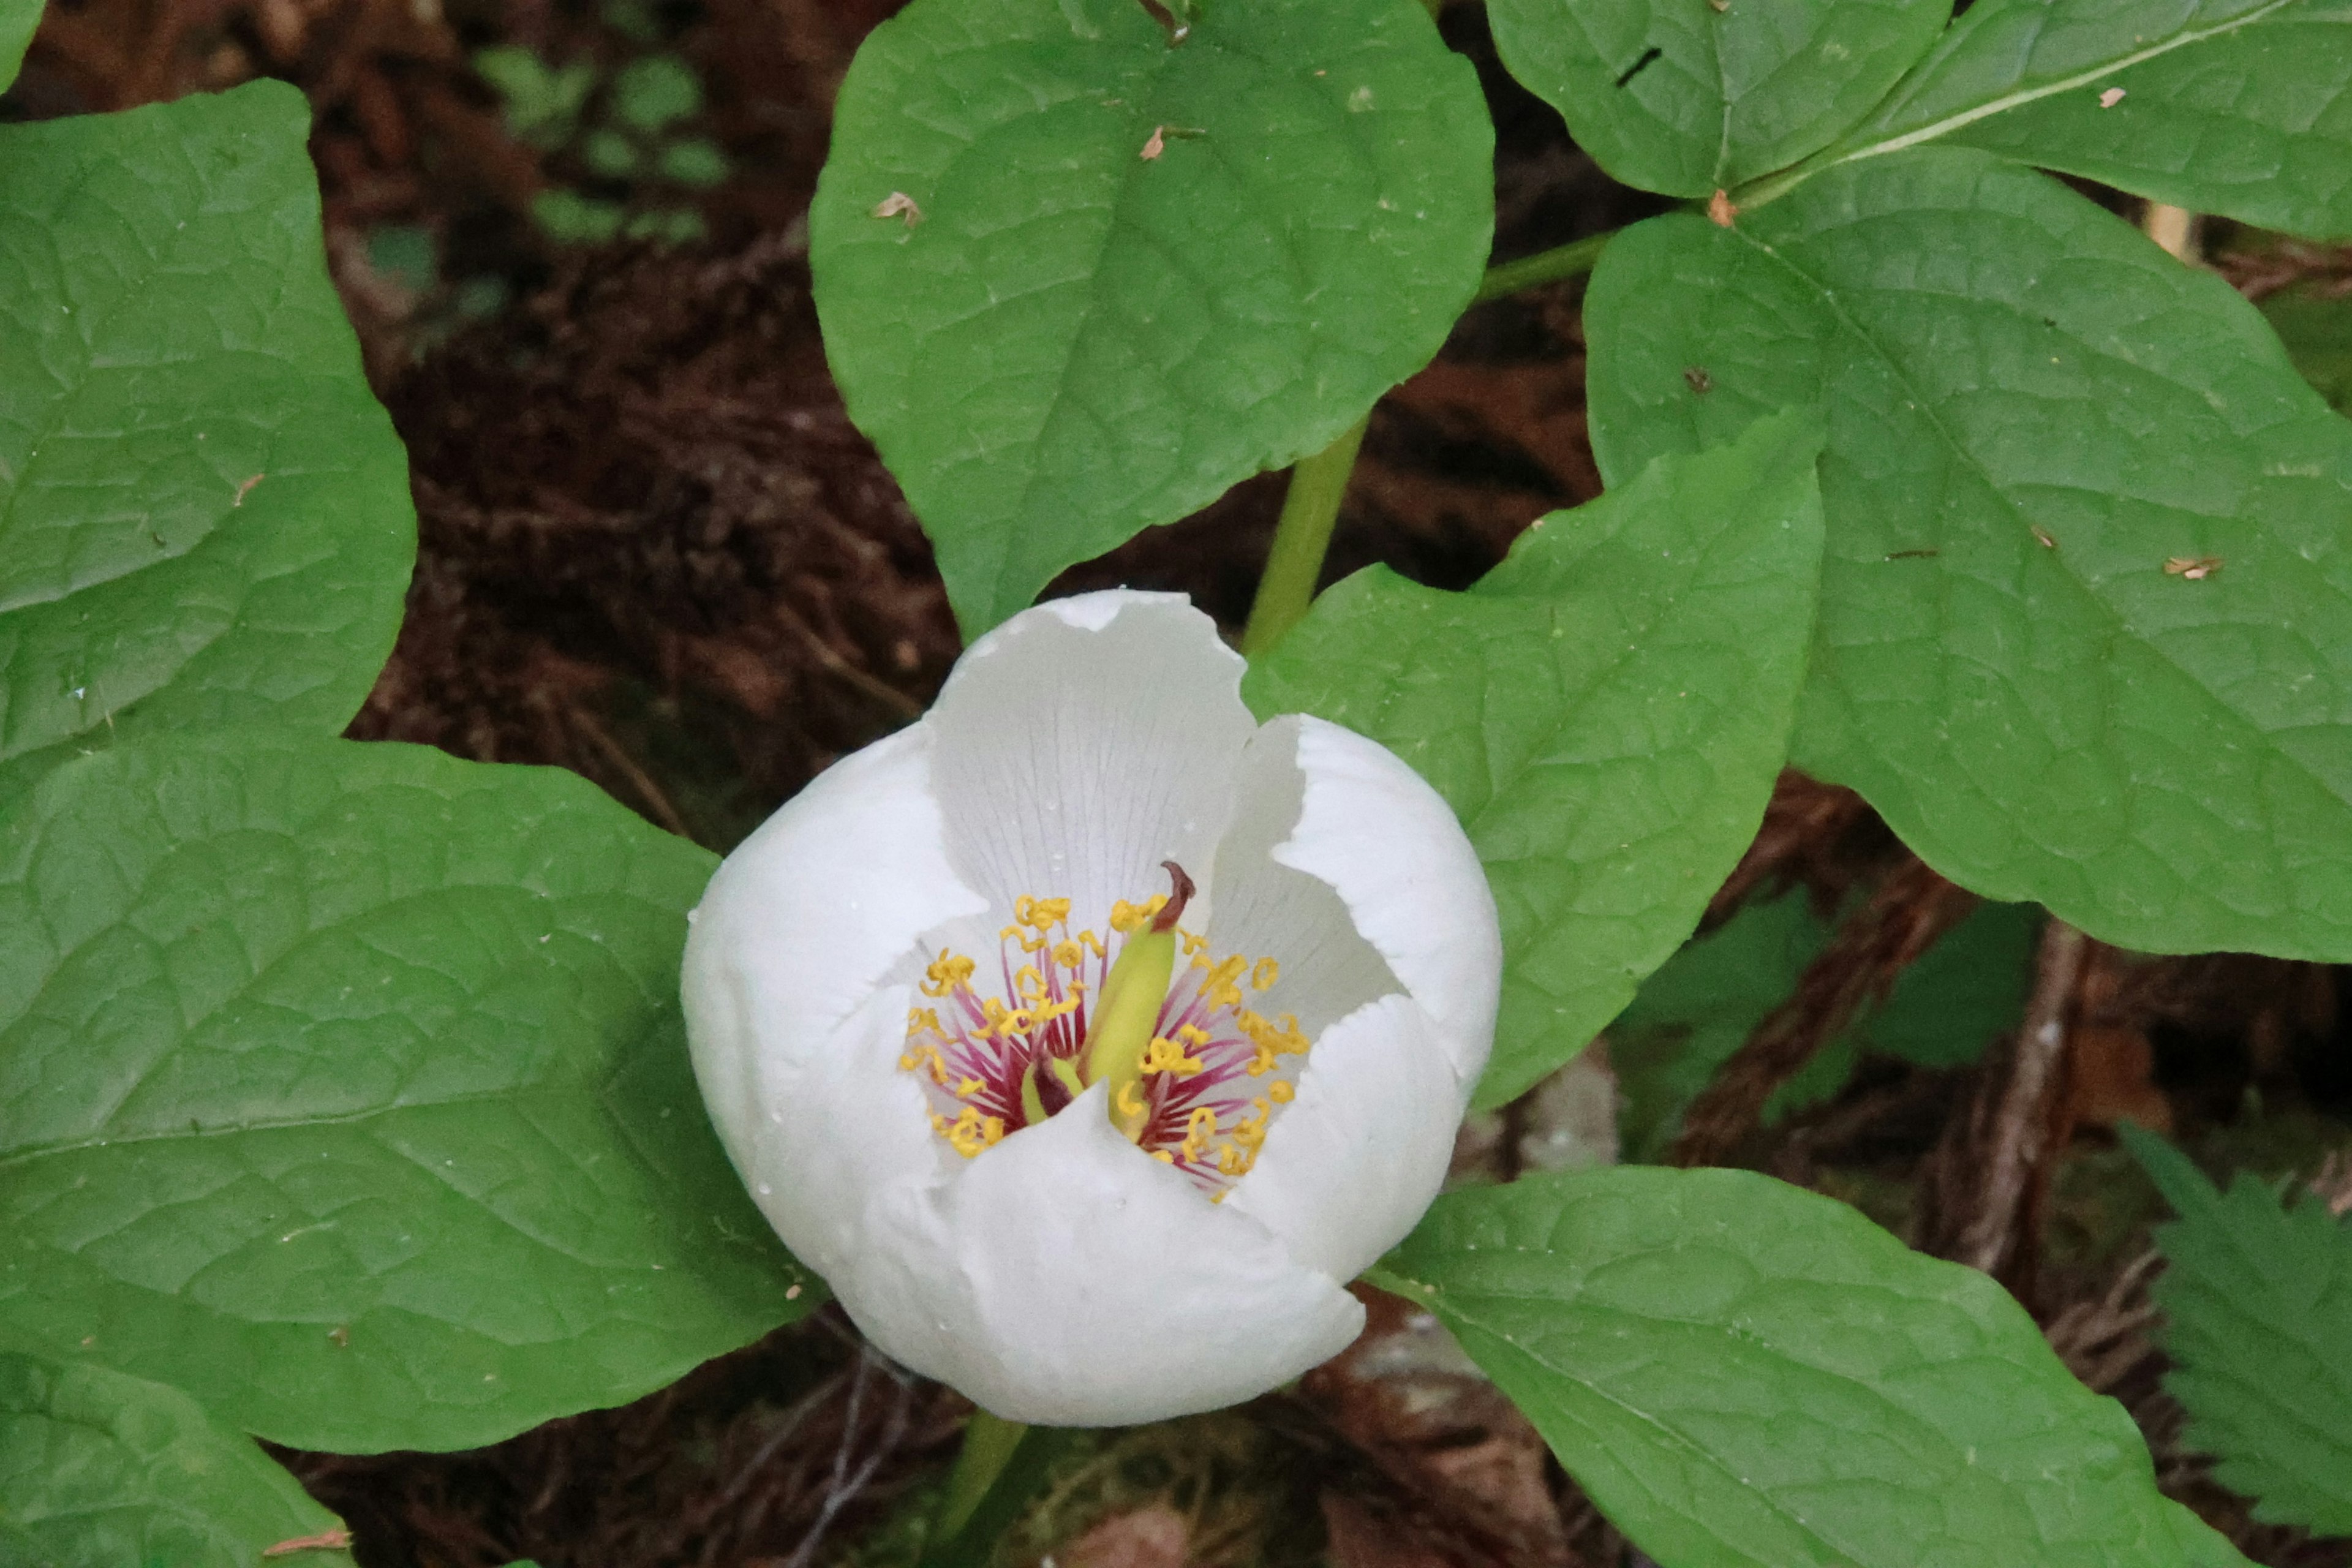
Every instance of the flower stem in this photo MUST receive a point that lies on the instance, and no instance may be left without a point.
(1573, 259)
(1308, 510)
(1002, 1463)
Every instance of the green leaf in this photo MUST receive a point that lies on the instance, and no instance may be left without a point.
(1686, 98)
(204, 514)
(1963, 992)
(1703, 1003)
(696, 162)
(1695, 1011)
(2317, 332)
(18, 20)
(542, 101)
(657, 92)
(2238, 106)
(344, 1087)
(2030, 410)
(1606, 712)
(1743, 1374)
(100, 1471)
(1062, 340)
(2257, 1299)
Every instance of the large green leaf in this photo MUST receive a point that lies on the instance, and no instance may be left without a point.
(2317, 332)
(2241, 107)
(344, 1087)
(1747, 1375)
(19, 18)
(2257, 1300)
(1140, 272)
(204, 514)
(1606, 712)
(100, 1471)
(2031, 412)
(1685, 98)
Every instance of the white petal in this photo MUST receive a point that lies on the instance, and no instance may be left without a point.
(1350, 1164)
(1105, 1289)
(782, 986)
(1084, 741)
(1264, 909)
(842, 1133)
(1390, 846)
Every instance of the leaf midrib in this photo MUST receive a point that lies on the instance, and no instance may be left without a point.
(2022, 96)
(1925, 406)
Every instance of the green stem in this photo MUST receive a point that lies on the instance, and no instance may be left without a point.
(1300, 539)
(989, 1444)
(1573, 259)
(1002, 1464)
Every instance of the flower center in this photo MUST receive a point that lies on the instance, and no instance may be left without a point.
(1194, 1073)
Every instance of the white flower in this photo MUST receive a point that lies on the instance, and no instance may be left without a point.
(891, 988)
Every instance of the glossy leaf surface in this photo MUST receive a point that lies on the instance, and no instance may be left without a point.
(1112, 277)
(344, 1087)
(2085, 633)
(2238, 107)
(1688, 99)
(1606, 712)
(203, 513)
(1744, 1374)
(102, 1470)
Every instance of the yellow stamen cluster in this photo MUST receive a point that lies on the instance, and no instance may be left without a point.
(1167, 1055)
(1126, 918)
(1273, 1041)
(971, 1131)
(1063, 958)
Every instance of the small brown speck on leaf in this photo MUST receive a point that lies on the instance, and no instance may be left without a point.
(1157, 146)
(1698, 380)
(1720, 209)
(333, 1539)
(246, 487)
(2110, 98)
(2196, 568)
(340, 1333)
(898, 203)
(2042, 537)
(792, 1292)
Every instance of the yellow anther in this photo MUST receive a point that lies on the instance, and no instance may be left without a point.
(1263, 1063)
(921, 1056)
(1028, 943)
(1165, 1055)
(1068, 954)
(1125, 917)
(1030, 984)
(1220, 987)
(1250, 1130)
(999, 1018)
(970, 1132)
(924, 1018)
(946, 973)
(1131, 1098)
(1041, 914)
(1163, 1156)
(969, 1086)
(1264, 976)
(1234, 1162)
(1092, 940)
(1198, 1129)
(1192, 1035)
(1193, 945)
(1280, 1092)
